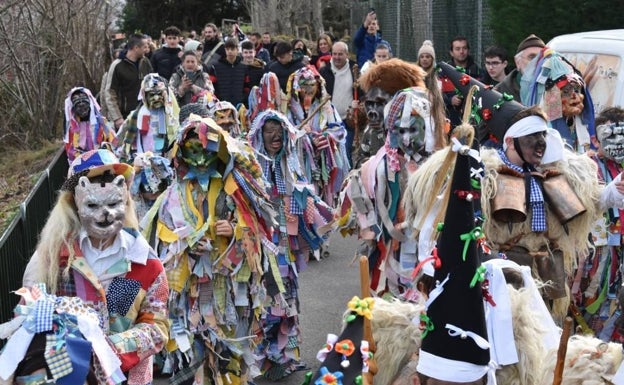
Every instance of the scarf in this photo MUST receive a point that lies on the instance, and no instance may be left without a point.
(535, 195)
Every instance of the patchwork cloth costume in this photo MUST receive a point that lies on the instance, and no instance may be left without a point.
(542, 83)
(82, 135)
(311, 111)
(153, 125)
(304, 222)
(59, 334)
(372, 198)
(218, 290)
(128, 291)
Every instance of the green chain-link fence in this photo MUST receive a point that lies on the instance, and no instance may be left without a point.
(405, 24)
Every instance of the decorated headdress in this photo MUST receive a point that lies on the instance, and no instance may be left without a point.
(345, 358)
(153, 83)
(62, 334)
(400, 110)
(93, 163)
(307, 73)
(455, 347)
(392, 76)
(541, 83)
(266, 96)
(491, 111)
(152, 173)
(221, 106)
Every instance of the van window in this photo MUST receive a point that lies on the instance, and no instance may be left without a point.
(600, 71)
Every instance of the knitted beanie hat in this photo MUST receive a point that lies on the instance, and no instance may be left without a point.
(427, 47)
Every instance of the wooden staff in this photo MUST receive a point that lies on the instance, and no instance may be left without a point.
(561, 352)
(356, 135)
(305, 121)
(368, 330)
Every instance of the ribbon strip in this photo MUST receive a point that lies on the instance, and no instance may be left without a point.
(454, 331)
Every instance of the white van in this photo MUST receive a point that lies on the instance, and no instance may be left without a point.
(599, 55)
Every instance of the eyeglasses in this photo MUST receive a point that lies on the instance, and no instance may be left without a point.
(493, 63)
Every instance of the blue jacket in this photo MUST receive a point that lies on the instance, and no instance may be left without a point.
(365, 45)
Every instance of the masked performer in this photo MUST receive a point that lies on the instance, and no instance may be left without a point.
(91, 248)
(304, 223)
(554, 84)
(373, 196)
(540, 202)
(154, 124)
(380, 83)
(153, 175)
(598, 278)
(226, 116)
(85, 127)
(213, 228)
(310, 109)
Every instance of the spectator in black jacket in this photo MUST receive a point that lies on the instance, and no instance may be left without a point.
(213, 45)
(167, 58)
(230, 76)
(284, 65)
(460, 57)
(255, 65)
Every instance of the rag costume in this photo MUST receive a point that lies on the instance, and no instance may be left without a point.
(266, 96)
(61, 335)
(542, 83)
(598, 279)
(123, 282)
(371, 200)
(217, 283)
(310, 110)
(152, 175)
(304, 224)
(154, 124)
(86, 132)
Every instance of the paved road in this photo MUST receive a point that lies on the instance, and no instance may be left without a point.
(325, 288)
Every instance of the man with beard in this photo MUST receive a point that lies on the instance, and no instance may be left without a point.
(123, 81)
(153, 125)
(213, 45)
(460, 57)
(90, 248)
(540, 201)
(85, 127)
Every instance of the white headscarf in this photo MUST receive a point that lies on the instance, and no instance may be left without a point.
(532, 124)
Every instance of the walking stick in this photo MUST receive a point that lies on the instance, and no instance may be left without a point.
(368, 330)
(356, 136)
(561, 352)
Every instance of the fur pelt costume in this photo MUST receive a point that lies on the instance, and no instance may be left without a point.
(397, 334)
(589, 361)
(581, 173)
